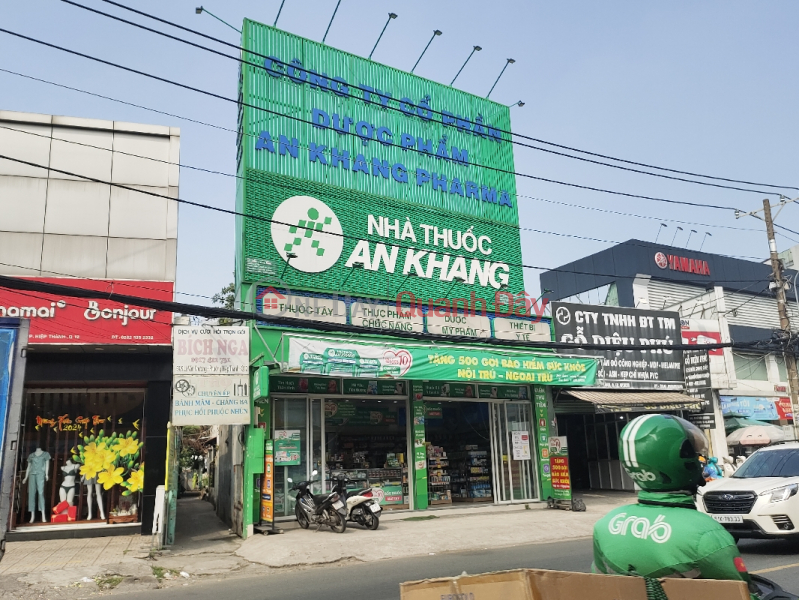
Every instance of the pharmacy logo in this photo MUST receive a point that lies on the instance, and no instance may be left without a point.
(307, 234)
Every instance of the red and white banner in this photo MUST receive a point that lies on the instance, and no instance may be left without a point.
(702, 331)
(784, 409)
(66, 320)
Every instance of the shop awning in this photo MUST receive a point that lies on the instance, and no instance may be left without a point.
(618, 401)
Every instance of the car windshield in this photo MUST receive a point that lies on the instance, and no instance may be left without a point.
(771, 463)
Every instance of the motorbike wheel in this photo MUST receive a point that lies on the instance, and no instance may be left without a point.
(302, 518)
(370, 521)
(337, 523)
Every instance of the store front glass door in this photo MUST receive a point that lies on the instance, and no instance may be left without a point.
(513, 450)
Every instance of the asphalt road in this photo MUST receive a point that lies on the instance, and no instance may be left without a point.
(778, 559)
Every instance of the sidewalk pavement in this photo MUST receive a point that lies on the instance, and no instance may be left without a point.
(206, 549)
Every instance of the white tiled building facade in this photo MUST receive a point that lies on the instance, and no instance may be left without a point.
(53, 224)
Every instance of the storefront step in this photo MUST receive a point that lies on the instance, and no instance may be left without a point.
(71, 531)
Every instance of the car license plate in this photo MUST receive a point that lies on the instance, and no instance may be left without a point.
(338, 504)
(374, 508)
(728, 518)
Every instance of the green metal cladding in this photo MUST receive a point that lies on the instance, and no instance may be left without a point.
(446, 171)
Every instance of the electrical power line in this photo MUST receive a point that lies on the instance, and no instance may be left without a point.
(240, 48)
(300, 120)
(232, 175)
(28, 285)
(267, 220)
(240, 132)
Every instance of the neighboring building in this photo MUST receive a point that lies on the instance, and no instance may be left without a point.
(94, 368)
(718, 298)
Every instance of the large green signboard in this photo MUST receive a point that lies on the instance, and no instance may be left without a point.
(370, 181)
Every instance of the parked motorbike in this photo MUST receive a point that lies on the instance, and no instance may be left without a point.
(319, 509)
(362, 505)
(768, 590)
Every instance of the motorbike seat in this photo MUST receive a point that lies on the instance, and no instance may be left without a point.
(319, 499)
(357, 492)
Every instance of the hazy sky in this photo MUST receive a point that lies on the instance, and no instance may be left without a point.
(708, 87)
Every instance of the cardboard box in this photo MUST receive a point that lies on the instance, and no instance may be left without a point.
(539, 584)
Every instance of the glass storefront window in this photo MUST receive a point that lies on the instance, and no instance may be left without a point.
(291, 415)
(81, 457)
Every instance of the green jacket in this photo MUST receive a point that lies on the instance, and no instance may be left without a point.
(665, 536)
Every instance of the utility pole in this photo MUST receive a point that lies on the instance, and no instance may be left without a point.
(780, 286)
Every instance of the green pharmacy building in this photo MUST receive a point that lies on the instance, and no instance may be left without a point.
(379, 214)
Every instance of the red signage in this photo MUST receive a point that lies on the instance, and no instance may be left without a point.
(559, 466)
(682, 263)
(66, 320)
(784, 408)
(697, 338)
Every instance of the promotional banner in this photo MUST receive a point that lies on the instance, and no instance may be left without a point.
(698, 385)
(656, 369)
(268, 484)
(288, 447)
(758, 408)
(784, 408)
(66, 320)
(448, 363)
(8, 338)
(210, 400)
(559, 465)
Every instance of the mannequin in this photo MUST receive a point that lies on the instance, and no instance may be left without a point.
(69, 485)
(98, 489)
(38, 472)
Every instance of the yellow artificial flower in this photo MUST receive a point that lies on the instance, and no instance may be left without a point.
(110, 478)
(107, 457)
(90, 468)
(126, 446)
(136, 480)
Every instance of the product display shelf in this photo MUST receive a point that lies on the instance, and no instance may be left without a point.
(472, 482)
(438, 478)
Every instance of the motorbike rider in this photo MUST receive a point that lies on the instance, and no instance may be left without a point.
(663, 535)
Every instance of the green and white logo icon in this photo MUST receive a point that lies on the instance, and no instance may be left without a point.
(307, 234)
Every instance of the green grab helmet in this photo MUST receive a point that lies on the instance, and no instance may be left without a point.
(661, 453)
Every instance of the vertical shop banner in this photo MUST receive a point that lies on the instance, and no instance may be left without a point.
(698, 385)
(559, 464)
(8, 339)
(211, 375)
(268, 484)
(419, 449)
(656, 369)
(542, 433)
(288, 447)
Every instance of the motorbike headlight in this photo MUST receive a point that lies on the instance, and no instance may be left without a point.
(781, 493)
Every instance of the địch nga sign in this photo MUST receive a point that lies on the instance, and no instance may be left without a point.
(211, 350)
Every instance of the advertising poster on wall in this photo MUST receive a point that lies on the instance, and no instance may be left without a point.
(521, 445)
(559, 464)
(210, 400)
(754, 407)
(658, 369)
(287, 447)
